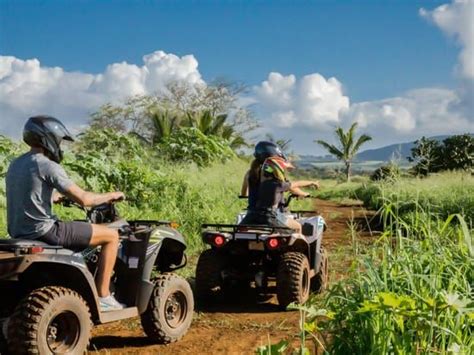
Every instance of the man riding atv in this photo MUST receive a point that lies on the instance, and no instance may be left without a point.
(31, 184)
(265, 184)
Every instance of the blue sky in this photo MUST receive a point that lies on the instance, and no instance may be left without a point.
(381, 52)
(379, 48)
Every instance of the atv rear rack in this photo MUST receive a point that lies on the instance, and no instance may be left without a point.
(247, 228)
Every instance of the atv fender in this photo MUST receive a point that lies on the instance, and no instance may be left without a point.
(299, 243)
(60, 270)
(315, 241)
(166, 252)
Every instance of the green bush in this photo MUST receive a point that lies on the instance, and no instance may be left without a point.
(389, 172)
(155, 187)
(191, 145)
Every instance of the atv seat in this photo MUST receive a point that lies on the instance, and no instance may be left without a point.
(24, 243)
(11, 244)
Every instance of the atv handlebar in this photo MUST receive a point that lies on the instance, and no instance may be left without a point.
(100, 214)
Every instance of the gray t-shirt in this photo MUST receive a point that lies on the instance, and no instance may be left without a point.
(30, 182)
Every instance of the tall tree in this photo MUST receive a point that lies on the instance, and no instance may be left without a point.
(348, 146)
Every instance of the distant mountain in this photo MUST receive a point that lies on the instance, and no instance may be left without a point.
(394, 151)
(398, 151)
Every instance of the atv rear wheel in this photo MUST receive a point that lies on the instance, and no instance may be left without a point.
(209, 282)
(50, 320)
(320, 281)
(170, 309)
(3, 335)
(292, 279)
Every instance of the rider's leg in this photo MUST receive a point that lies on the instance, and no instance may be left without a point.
(290, 222)
(108, 238)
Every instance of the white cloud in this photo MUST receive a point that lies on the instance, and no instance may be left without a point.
(27, 88)
(311, 101)
(302, 108)
(457, 20)
(429, 111)
(313, 106)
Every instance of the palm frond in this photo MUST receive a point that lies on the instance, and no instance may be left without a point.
(361, 140)
(350, 139)
(331, 149)
(218, 124)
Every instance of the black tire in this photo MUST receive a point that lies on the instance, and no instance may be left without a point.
(320, 281)
(293, 282)
(3, 340)
(170, 310)
(209, 282)
(50, 320)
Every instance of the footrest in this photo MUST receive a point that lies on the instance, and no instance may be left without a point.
(112, 316)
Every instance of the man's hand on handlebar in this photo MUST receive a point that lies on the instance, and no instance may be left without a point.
(315, 184)
(117, 196)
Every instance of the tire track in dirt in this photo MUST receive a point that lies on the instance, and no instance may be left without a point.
(242, 324)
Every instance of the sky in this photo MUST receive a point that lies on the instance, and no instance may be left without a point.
(401, 69)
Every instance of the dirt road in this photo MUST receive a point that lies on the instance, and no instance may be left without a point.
(245, 323)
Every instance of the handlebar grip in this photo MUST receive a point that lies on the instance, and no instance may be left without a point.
(120, 199)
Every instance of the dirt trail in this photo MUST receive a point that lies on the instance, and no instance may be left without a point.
(242, 325)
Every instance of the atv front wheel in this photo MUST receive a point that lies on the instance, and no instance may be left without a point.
(292, 279)
(320, 281)
(50, 320)
(170, 310)
(209, 282)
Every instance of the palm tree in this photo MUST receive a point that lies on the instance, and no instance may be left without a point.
(215, 125)
(163, 124)
(348, 146)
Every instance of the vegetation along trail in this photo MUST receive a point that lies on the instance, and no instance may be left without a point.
(240, 326)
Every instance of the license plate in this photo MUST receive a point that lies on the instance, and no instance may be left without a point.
(256, 246)
(245, 236)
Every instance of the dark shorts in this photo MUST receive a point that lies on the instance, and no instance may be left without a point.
(71, 235)
(264, 218)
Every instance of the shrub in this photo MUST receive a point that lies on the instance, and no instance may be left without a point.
(191, 145)
(389, 172)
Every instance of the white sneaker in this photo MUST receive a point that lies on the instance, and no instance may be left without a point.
(109, 303)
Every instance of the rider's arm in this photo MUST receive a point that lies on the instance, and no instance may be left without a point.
(245, 185)
(304, 183)
(90, 199)
(298, 192)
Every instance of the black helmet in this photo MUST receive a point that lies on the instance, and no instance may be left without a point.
(264, 150)
(46, 132)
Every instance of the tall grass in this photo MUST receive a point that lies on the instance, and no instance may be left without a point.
(439, 195)
(411, 294)
(412, 291)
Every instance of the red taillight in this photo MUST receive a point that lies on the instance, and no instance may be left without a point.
(219, 240)
(273, 243)
(35, 250)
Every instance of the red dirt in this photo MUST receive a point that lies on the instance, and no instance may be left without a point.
(242, 325)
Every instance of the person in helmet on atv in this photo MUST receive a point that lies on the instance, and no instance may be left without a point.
(32, 180)
(263, 150)
(266, 186)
